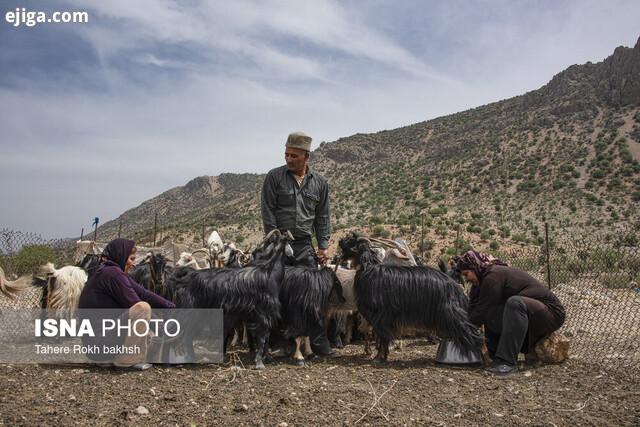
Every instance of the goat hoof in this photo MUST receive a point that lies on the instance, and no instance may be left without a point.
(339, 343)
(299, 362)
(268, 359)
(259, 366)
(311, 356)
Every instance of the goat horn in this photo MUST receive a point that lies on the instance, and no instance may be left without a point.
(203, 250)
(290, 236)
(271, 233)
(400, 254)
(392, 244)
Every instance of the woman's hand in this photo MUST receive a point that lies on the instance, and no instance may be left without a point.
(474, 293)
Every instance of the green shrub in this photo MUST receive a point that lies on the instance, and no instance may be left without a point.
(494, 245)
(375, 220)
(442, 230)
(462, 245)
(526, 263)
(630, 240)
(31, 257)
(614, 281)
(605, 259)
(437, 211)
(519, 238)
(428, 245)
(380, 231)
(474, 229)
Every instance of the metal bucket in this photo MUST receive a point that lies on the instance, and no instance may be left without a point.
(449, 354)
(166, 351)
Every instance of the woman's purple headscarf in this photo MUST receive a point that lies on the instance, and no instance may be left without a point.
(118, 250)
(478, 262)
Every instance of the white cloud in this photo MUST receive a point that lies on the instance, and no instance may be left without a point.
(177, 91)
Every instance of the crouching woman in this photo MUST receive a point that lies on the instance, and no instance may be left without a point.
(110, 287)
(515, 308)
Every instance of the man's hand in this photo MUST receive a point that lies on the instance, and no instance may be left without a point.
(322, 256)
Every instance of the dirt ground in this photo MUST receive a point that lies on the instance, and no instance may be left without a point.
(346, 390)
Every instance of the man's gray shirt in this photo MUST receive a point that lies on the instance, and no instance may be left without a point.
(286, 206)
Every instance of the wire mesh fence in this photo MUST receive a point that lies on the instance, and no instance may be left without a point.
(598, 282)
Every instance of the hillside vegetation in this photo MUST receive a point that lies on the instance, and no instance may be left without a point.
(567, 153)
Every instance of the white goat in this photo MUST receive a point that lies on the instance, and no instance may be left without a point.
(12, 288)
(216, 247)
(64, 288)
(187, 259)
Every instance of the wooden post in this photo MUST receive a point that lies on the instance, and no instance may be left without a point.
(155, 228)
(422, 234)
(82, 234)
(546, 238)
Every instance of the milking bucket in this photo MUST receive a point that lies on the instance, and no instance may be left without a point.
(450, 354)
(166, 351)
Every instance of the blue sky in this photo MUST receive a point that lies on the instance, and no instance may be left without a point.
(96, 118)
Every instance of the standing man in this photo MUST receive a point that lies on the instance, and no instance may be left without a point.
(295, 198)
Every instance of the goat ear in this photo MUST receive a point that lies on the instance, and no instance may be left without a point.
(442, 266)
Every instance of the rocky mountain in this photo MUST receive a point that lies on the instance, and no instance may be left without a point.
(567, 153)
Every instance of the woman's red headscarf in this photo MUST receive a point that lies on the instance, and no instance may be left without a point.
(478, 262)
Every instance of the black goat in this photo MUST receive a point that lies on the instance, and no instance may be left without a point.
(451, 269)
(306, 295)
(89, 263)
(393, 296)
(153, 273)
(247, 294)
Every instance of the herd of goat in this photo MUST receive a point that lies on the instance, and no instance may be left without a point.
(389, 290)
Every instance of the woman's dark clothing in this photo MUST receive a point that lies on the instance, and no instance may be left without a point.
(109, 287)
(516, 310)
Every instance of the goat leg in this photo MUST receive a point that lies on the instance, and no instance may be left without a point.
(261, 338)
(297, 356)
(348, 329)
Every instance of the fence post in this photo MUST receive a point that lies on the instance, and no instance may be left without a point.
(548, 253)
(422, 234)
(82, 234)
(155, 229)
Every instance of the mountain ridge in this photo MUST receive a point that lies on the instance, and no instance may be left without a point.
(567, 153)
